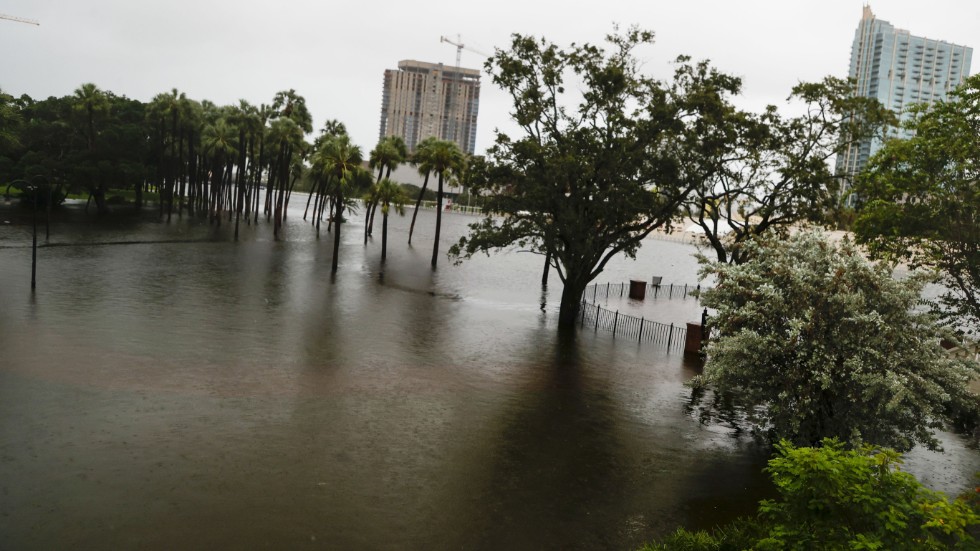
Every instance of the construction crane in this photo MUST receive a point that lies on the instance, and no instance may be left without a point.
(453, 107)
(19, 19)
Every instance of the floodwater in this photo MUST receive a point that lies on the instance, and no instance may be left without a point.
(168, 388)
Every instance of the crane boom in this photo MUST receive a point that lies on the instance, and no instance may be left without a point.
(453, 103)
(460, 47)
(19, 19)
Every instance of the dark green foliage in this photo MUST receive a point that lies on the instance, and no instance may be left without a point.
(591, 175)
(777, 172)
(919, 200)
(412, 190)
(735, 536)
(831, 499)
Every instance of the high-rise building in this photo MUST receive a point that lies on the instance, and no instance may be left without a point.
(422, 100)
(900, 70)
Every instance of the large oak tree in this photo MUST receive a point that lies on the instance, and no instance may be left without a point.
(605, 155)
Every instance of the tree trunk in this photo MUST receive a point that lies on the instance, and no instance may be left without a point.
(425, 183)
(240, 182)
(277, 207)
(547, 267)
(435, 242)
(181, 174)
(384, 235)
(101, 207)
(571, 301)
(139, 195)
(192, 173)
(373, 209)
(313, 188)
(367, 216)
(339, 203)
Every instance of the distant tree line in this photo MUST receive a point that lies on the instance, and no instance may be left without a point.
(235, 162)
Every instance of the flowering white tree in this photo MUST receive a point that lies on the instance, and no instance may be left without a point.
(812, 341)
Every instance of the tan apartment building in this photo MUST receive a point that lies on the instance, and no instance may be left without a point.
(422, 100)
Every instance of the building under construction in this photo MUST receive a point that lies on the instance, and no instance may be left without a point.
(422, 100)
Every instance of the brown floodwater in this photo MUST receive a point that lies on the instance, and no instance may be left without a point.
(168, 388)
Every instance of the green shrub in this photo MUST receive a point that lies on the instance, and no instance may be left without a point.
(832, 498)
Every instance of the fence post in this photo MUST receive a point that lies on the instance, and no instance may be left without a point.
(685, 290)
(597, 317)
(656, 291)
(615, 323)
(595, 289)
(607, 289)
(640, 336)
(621, 287)
(670, 336)
(671, 291)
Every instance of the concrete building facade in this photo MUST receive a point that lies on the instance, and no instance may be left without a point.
(421, 100)
(900, 70)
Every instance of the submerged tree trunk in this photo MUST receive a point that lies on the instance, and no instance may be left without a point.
(435, 242)
(571, 300)
(313, 188)
(547, 268)
(367, 218)
(339, 204)
(411, 228)
(372, 210)
(101, 207)
(384, 234)
(139, 195)
(240, 182)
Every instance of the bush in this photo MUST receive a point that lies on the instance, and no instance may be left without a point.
(831, 498)
(815, 342)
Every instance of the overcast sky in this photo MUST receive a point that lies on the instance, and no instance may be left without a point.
(335, 53)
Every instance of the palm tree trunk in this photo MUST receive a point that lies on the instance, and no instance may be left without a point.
(384, 235)
(425, 183)
(310, 198)
(289, 193)
(240, 184)
(322, 199)
(435, 243)
(181, 174)
(339, 204)
(373, 209)
(367, 214)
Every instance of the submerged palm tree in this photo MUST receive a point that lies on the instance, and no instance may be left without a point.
(339, 161)
(219, 145)
(445, 159)
(421, 161)
(390, 152)
(389, 194)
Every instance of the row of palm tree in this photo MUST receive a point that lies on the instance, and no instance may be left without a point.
(213, 161)
(432, 156)
(214, 158)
